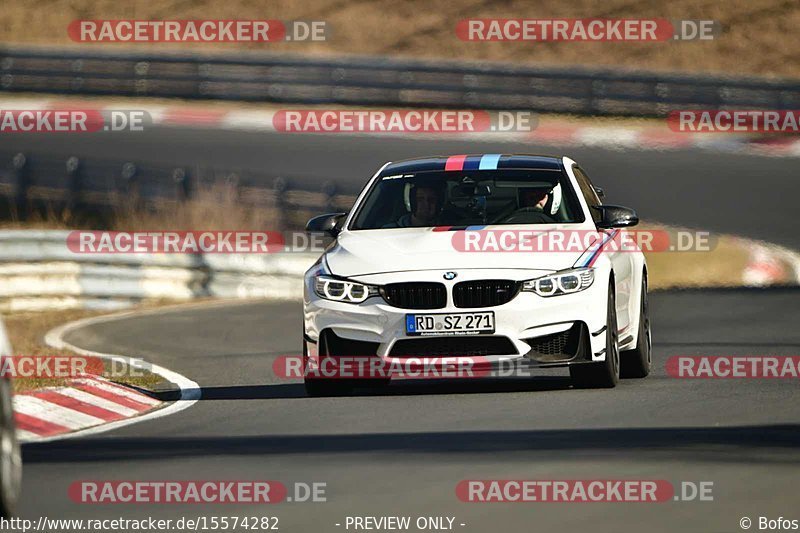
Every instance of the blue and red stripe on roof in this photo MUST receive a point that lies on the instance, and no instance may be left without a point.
(466, 162)
(472, 162)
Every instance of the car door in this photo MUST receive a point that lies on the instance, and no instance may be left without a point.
(622, 261)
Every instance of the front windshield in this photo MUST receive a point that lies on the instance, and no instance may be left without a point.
(468, 198)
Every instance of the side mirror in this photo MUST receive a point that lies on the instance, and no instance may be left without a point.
(600, 192)
(616, 216)
(330, 224)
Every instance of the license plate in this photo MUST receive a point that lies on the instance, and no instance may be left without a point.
(450, 324)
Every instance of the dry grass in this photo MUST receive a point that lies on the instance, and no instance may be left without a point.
(720, 267)
(758, 36)
(217, 207)
(26, 332)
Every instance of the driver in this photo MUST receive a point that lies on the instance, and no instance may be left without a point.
(532, 204)
(426, 201)
(535, 198)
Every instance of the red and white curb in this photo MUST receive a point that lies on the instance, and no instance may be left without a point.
(91, 404)
(549, 132)
(770, 264)
(86, 402)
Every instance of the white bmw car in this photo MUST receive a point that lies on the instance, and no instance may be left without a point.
(508, 258)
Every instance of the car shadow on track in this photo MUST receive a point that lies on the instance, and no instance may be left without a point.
(773, 444)
(396, 388)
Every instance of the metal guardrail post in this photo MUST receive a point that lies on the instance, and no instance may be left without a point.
(280, 186)
(593, 103)
(19, 165)
(129, 187)
(329, 190)
(182, 183)
(73, 166)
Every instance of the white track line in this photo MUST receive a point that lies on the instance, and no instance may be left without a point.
(190, 391)
(96, 401)
(118, 390)
(54, 413)
(24, 435)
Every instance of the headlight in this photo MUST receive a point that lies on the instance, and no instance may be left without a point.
(565, 282)
(342, 290)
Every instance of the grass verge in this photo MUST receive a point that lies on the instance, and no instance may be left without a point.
(722, 266)
(26, 332)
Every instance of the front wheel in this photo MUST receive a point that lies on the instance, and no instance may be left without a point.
(636, 363)
(602, 374)
(321, 387)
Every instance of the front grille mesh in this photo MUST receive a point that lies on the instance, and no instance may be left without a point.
(484, 293)
(331, 344)
(556, 347)
(554, 344)
(453, 347)
(417, 295)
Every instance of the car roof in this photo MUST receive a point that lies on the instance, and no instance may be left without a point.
(473, 162)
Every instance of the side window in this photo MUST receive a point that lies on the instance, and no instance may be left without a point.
(588, 191)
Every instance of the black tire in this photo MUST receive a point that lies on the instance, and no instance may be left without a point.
(636, 363)
(10, 457)
(321, 387)
(603, 374)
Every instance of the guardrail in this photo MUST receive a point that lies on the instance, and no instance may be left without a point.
(38, 271)
(93, 185)
(380, 81)
(96, 186)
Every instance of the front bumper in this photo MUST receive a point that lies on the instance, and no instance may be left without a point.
(530, 330)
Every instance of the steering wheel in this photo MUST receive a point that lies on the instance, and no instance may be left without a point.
(505, 212)
(543, 218)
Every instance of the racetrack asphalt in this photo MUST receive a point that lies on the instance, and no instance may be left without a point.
(401, 451)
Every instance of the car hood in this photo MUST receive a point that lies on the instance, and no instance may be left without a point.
(366, 252)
